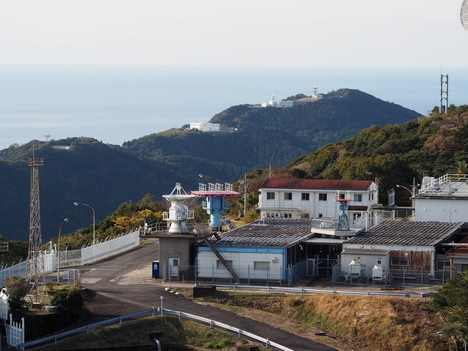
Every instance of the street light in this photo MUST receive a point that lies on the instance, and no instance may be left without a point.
(58, 248)
(412, 192)
(205, 176)
(245, 185)
(94, 219)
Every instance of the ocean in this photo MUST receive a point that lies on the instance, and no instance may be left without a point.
(115, 104)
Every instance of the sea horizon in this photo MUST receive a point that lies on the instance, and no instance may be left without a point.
(115, 104)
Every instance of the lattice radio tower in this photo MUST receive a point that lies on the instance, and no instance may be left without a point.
(444, 81)
(35, 268)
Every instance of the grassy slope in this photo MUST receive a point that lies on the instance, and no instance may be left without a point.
(361, 323)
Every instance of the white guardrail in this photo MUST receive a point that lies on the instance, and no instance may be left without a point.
(241, 333)
(303, 291)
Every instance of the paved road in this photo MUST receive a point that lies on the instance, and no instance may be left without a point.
(123, 285)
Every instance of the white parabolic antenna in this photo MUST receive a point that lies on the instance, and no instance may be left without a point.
(179, 212)
(464, 14)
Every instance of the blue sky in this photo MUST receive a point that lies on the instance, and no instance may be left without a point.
(317, 33)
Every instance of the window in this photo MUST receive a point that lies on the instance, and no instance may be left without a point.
(305, 215)
(322, 197)
(270, 195)
(287, 215)
(358, 197)
(305, 196)
(320, 215)
(399, 262)
(261, 266)
(288, 196)
(341, 196)
(219, 264)
(443, 265)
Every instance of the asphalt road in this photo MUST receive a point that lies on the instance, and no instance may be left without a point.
(123, 284)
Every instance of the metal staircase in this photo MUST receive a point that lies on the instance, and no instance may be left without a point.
(221, 258)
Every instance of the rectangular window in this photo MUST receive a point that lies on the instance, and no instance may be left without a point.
(320, 215)
(270, 195)
(443, 265)
(261, 266)
(305, 215)
(287, 215)
(342, 196)
(305, 196)
(358, 197)
(219, 264)
(288, 196)
(399, 262)
(322, 197)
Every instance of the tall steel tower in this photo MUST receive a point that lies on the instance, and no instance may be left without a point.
(444, 78)
(35, 268)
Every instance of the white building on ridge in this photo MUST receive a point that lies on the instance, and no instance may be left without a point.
(206, 127)
(274, 103)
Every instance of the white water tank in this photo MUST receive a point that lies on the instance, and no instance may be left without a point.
(355, 268)
(378, 272)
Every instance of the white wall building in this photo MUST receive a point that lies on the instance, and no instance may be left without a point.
(443, 199)
(315, 198)
(274, 103)
(206, 127)
(401, 246)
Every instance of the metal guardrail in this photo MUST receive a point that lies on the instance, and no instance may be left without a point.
(303, 291)
(240, 333)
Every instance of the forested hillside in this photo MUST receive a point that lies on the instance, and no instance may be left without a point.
(429, 146)
(104, 176)
(100, 175)
(272, 136)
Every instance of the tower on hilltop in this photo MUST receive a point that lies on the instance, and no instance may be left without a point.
(35, 265)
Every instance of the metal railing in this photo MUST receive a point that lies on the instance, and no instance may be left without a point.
(303, 291)
(240, 333)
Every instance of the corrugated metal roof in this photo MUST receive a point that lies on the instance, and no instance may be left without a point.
(267, 233)
(407, 233)
(343, 185)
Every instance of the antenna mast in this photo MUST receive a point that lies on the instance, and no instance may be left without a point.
(444, 78)
(35, 265)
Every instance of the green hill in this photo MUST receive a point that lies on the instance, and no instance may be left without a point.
(105, 176)
(428, 146)
(271, 136)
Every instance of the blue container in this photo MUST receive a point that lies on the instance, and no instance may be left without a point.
(156, 269)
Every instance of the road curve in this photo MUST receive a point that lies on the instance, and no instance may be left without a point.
(122, 285)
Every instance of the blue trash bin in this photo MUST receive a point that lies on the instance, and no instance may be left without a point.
(156, 269)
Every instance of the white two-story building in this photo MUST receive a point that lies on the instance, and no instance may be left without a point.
(316, 198)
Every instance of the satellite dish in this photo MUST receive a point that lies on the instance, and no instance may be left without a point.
(464, 14)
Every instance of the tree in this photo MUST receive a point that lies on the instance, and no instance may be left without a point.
(17, 288)
(452, 305)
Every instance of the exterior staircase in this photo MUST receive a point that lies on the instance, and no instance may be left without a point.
(221, 258)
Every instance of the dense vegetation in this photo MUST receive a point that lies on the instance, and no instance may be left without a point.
(104, 176)
(394, 154)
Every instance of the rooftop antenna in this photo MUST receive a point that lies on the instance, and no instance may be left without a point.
(464, 14)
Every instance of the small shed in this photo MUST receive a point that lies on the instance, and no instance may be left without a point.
(401, 246)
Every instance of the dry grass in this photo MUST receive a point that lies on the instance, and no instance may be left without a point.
(361, 323)
(135, 333)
